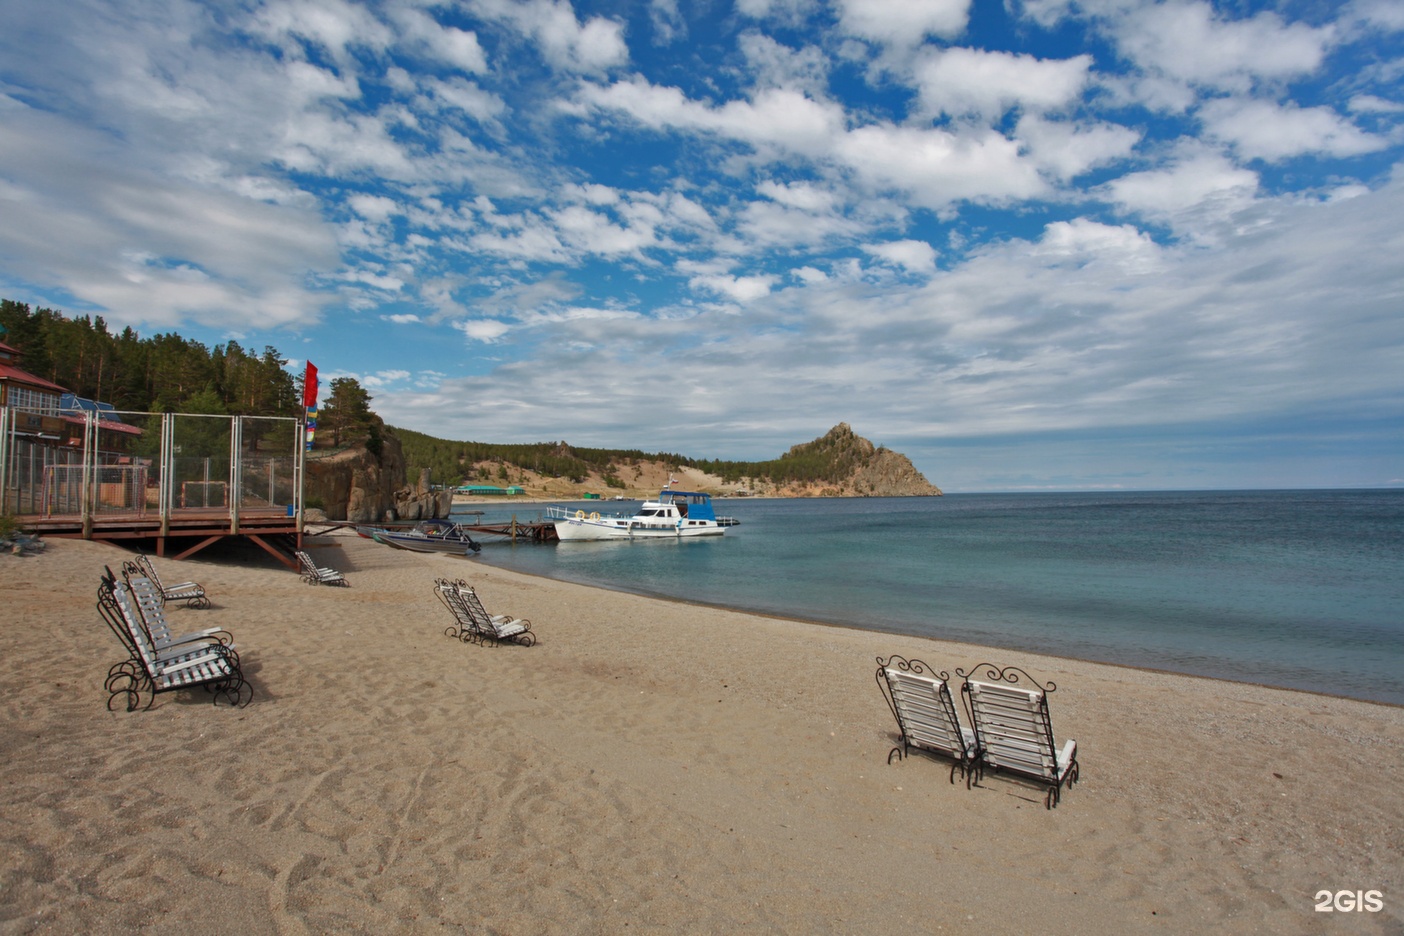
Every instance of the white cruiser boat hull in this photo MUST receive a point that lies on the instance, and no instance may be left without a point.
(674, 515)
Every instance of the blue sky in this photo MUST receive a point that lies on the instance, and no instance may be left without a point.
(1050, 244)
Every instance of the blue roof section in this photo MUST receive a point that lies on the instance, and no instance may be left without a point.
(72, 403)
(699, 505)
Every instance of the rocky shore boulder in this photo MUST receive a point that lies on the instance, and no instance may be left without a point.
(360, 485)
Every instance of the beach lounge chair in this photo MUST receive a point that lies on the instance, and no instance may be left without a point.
(472, 623)
(148, 671)
(920, 700)
(1013, 732)
(312, 574)
(463, 628)
(148, 598)
(500, 627)
(191, 593)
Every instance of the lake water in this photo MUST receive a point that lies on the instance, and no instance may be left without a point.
(1300, 589)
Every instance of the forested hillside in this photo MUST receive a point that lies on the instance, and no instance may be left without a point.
(495, 463)
(840, 462)
(163, 373)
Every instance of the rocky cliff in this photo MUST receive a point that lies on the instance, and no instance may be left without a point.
(857, 468)
(359, 485)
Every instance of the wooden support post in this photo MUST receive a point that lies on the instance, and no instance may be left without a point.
(276, 553)
(199, 546)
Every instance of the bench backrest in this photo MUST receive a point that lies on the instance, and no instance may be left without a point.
(925, 711)
(1012, 727)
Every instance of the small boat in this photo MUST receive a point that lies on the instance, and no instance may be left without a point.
(428, 536)
(675, 514)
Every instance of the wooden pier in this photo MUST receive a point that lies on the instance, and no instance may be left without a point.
(532, 531)
(536, 531)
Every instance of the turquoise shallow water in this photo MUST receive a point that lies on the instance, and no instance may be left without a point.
(1300, 589)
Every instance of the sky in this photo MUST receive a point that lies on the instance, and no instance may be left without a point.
(1032, 245)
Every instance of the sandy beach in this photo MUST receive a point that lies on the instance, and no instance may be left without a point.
(648, 766)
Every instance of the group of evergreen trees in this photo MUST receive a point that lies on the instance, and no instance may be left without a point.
(170, 374)
(165, 373)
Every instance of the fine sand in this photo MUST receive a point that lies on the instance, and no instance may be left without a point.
(648, 767)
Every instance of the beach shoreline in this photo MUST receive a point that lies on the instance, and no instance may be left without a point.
(655, 763)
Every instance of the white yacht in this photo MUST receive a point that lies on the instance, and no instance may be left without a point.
(674, 514)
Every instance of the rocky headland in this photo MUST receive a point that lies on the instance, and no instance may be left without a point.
(360, 485)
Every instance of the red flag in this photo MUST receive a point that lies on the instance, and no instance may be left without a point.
(309, 387)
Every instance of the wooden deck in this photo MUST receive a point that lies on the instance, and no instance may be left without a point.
(184, 533)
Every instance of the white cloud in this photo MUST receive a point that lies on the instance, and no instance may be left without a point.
(936, 168)
(448, 44)
(903, 22)
(786, 12)
(534, 242)
(1082, 242)
(590, 232)
(1188, 41)
(1196, 192)
(1373, 104)
(1066, 149)
(1386, 15)
(374, 281)
(334, 144)
(802, 195)
(914, 256)
(383, 379)
(766, 224)
(774, 65)
(484, 330)
(334, 25)
(737, 288)
(567, 44)
(961, 81)
(483, 106)
(1273, 132)
(774, 117)
(377, 208)
(147, 247)
(668, 24)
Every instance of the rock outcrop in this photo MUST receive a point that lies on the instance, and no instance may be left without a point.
(857, 469)
(358, 485)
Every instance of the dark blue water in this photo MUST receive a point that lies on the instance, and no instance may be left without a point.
(1300, 589)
